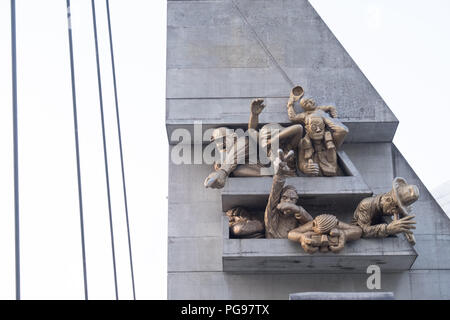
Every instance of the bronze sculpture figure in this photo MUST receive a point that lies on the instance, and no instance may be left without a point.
(324, 233)
(370, 213)
(236, 162)
(282, 213)
(324, 134)
(245, 224)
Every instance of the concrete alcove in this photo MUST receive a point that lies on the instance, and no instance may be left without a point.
(253, 192)
(282, 255)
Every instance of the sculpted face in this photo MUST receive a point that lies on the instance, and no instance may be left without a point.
(288, 201)
(308, 104)
(389, 205)
(289, 196)
(315, 128)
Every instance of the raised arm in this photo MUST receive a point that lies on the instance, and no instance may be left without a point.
(293, 116)
(279, 178)
(256, 107)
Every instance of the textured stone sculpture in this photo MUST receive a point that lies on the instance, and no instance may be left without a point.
(245, 224)
(274, 136)
(324, 134)
(370, 213)
(325, 233)
(282, 213)
(235, 151)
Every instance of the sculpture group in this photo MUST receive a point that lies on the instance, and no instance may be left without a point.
(306, 148)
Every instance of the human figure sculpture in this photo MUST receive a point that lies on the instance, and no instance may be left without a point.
(282, 214)
(324, 134)
(325, 233)
(370, 213)
(274, 136)
(245, 224)
(236, 162)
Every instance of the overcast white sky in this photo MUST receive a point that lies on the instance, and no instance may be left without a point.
(401, 46)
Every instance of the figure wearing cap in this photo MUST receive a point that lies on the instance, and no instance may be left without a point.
(370, 213)
(324, 134)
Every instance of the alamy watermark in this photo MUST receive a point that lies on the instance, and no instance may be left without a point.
(374, 280)
(227, 146)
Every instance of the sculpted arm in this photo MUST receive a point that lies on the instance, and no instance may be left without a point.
(293, 116)
(256, 107)
(274, 199)
(364, 221)
(338, 129)
(246, 228)
(296, 234)
(279, 179)
(302, 215)
(351, 232)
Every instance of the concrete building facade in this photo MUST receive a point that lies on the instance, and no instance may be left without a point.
(220, 55)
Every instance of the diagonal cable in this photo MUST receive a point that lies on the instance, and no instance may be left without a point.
(15, 147)
(77, 148)
(120, 146)
(105, 152)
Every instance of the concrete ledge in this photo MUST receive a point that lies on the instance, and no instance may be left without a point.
(253, 192)
(392, 254)
(342, 296)
(360, 131)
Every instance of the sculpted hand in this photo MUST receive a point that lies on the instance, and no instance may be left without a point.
(401, 225)
(288, 208)
(333, 112)
(302, 216)
(216, 179)
(307, 243)
(257, 106)
(312, 168)
(280, 163)
(341, 240)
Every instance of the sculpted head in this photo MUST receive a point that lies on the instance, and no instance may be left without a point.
(221, 137)
(288, 200)
(289, 195)
(324, 223)
(308, 104)
(315, 127)
(388, 204)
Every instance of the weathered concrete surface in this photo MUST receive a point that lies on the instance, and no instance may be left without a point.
(222, 285)
(222, 54)
(342, 296)
(214, 68)
(374, 163)
(284, 256)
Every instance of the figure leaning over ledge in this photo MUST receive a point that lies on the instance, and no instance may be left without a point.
(324, 134)
(370, 213)
(325, 233)
(235, 151)
(245, 224)
(282, 213)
